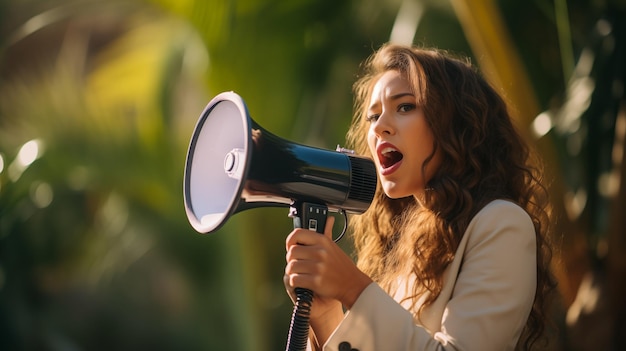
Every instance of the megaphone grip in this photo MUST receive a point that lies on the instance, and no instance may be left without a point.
(313, 217)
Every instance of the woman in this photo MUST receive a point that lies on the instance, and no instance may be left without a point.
(453, 254)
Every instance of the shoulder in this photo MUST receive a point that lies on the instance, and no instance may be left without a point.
(502, 221)
(501, 212)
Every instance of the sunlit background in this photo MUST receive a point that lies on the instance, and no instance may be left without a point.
(98, 100)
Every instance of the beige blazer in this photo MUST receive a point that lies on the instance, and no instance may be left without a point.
(487, 295)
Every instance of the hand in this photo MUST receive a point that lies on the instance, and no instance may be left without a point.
(317, 263)
(322, 306)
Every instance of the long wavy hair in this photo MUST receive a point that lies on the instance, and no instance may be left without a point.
(483, 158)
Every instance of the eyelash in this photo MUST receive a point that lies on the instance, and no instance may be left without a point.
(401, 108)
(371, 118)
(410, 106)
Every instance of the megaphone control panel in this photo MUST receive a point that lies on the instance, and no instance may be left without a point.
(309, 216)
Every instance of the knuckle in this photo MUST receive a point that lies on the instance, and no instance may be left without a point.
(322, 253)
(289, 268)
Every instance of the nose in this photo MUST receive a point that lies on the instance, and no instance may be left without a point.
(384, 124)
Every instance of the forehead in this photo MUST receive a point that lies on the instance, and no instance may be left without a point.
(389, 84)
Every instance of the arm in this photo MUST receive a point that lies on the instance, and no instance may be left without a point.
(488, 293)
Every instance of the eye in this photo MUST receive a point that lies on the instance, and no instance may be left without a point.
(372, 117)
(406, 107)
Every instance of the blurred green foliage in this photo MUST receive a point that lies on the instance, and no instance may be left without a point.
(98, 100)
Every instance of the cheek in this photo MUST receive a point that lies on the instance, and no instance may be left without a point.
(371, 143)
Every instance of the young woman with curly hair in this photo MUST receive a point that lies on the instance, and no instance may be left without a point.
(454, 252)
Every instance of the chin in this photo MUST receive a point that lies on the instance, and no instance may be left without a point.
(394, 193)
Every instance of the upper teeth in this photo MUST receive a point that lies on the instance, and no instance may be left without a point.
(387, 150)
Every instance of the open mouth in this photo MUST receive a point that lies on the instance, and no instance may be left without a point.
(389, 156)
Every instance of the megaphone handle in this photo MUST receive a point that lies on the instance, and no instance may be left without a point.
(313, 217)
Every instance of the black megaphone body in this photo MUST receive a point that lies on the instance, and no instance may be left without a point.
(233, 164)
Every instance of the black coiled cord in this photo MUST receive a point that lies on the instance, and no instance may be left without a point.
(299, 328)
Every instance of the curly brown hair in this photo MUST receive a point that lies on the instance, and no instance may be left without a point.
(483, 158)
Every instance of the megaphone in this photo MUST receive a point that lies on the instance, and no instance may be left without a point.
(233, 164)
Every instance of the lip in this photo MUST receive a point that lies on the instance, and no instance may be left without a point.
(380, 149)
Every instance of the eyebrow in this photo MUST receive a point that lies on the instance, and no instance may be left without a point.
(392, 97)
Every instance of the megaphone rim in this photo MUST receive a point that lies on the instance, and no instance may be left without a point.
(238, 101)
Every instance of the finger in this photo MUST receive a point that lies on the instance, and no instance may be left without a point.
(307, 281)
(290, 289)
(291, 240)
(305, 255)
(304, 265)
(301, 236)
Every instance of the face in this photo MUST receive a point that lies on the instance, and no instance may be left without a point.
(399, 138)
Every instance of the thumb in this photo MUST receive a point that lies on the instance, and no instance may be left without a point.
(328, 229)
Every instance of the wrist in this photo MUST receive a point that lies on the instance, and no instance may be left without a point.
(324, 324)
(354, 289)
